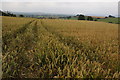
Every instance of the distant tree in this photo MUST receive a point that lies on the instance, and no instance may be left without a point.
(77, 15)
(81, 17)
(50, 18)
(111, 16)
(0, 13)
(106, 17)
(110, 22)
(89, 18)
(68, 17)
(7, 14)
(95, 20)
(21, 15)
(13, 15)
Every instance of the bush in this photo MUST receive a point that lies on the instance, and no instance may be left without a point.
(95, 20)
(110, 22)
(89, 18)
(21, 15)
(81, 17)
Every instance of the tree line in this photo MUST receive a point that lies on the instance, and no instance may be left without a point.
(9, 14)
(82, 17)
(90, 18)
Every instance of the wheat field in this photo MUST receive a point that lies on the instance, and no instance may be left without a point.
(55, 48)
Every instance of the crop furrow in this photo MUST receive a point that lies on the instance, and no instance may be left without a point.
(7, 39)
(19, 51)
(73, 44)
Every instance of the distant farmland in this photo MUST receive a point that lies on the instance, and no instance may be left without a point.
(102, 19)
(55, 48)
(110, 20)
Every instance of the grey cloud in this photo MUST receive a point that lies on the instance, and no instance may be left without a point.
(88, 8)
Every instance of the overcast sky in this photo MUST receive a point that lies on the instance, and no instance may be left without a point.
(87, 7)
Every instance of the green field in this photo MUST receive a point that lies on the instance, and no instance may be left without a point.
(110, 20)
(76, 18)
(56, 48)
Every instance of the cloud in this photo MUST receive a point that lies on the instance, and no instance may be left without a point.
(60, 0)
(88, 8)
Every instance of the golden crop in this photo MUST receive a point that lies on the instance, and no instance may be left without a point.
(57, 48)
